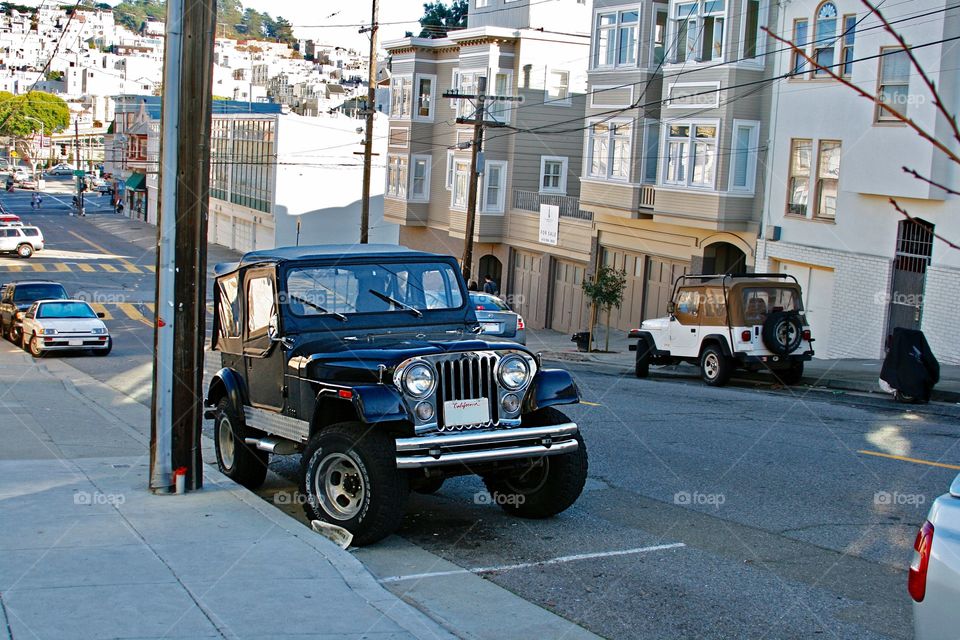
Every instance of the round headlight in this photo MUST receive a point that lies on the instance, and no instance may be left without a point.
(514, 373)
(418, 380)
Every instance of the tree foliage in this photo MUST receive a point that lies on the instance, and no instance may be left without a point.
(439, 19)
(19, 114)
(233, 21)
(605, 291)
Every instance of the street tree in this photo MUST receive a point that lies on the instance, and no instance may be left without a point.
(439, 18)
(25, 115)
(605, 292)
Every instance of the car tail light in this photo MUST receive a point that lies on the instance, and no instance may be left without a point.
(520, 324)
(917, 579)
(806, 335)
(745, 336)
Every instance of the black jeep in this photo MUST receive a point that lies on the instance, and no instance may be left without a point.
(366, 361)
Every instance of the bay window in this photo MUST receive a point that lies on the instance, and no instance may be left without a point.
(616, 38)
(605, 53)
(420, 178)
(397, 177)
(494, 186)
(691, 154)
(751, 29)
(400, 96)
(425, 91)
(609, 147)
(698, 28)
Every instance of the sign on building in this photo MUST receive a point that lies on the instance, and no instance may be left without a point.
(549, 223)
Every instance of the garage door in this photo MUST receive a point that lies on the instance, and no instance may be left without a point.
(223, 227)
(817, 287)
(629, 315)
(660, 276)
(571, 310)
(242, 235)
(525, 288)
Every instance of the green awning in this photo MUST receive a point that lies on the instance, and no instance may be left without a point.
(137, 182)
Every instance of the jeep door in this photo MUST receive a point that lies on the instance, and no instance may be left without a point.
(263, 358)
(684, 329)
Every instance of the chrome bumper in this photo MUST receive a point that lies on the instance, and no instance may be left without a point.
(488, 446)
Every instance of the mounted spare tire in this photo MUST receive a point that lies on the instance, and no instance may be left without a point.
(782, 332)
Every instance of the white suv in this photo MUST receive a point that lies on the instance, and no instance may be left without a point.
(23, 241)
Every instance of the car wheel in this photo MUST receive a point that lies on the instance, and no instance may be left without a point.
(34, 347)
(791, 375)
(25, 251)
(16, 335)
(715, 367)
(237, 460)
(547, 485)
(104, 352)
(642, 366)
(349, 477)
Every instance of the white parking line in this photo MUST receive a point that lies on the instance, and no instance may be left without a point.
(541, 563)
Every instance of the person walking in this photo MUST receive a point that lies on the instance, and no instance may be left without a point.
(35, 201)
(490, 285)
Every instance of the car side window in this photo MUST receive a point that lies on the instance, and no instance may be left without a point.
(230, 306)
(31, 312)
(687, 307)
(31, 232)
(260, 304)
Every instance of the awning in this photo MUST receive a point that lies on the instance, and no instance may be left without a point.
(137, 182)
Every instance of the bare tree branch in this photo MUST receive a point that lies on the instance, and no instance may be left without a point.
(916, 175)
(909, 217)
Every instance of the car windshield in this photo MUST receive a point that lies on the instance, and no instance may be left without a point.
(487, 303)
(31, 292)
(51, 310)
(373, 288)
(759, 301)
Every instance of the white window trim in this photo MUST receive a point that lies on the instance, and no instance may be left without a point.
(501, 202)
(694, 61)
(565, 164)
(666, 41)
(664, 151)
(588, 149)
(411, 196)
(648, 125)
(386, 187)
(393, 114)
(594, 41)
(455, 86)
(415, 95)
(556, 102)
(759, 60)
(448, 175)
(453, 194)
(492, 90)
(753, 153)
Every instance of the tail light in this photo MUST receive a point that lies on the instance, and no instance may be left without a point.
(806, 335)
(520, 324)
(745, 336)
(917, 579)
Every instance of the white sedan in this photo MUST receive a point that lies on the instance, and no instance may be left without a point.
(55, 325)
(934, 578)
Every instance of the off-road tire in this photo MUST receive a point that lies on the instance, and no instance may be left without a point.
(248, 465)
(641, 367)
(25, 250)
(791, 375)
(558, 482)
(775, 324)
(374, 456)
(715, 367)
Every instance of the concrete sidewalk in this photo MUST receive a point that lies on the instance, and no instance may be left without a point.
(843, 375)
(86, 551)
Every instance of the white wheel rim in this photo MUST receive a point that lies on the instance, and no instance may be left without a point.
(711, 365)
(226, 443)
(339, 486)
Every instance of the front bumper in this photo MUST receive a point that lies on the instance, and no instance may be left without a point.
(63, 343)
(486, 446)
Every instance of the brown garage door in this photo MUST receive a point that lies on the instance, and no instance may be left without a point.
(629, 315)
(525, 289)
(661, 274)
(570, 309)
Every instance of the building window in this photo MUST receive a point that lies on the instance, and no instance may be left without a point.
(798, 186)
(494, 186)
(825, 37)
(420, 178)
(801, 30)
(660, 37)
(609, 147)
(553, 174)
(482, 3)
(744, 156)
(499, 111)
(751, 29)
(894, 88)
(849, 35)
(425, 88)
(397, 177)
(699, 30)
(828, 179)
(627, 37)
(558, 87)
(400, 96)
(448, 182)
(651, 151)
(454, 87)
(691, 154)
(605, 53)
(461, 184)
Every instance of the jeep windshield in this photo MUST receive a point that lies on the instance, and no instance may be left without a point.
(759, 301)
(345, 290)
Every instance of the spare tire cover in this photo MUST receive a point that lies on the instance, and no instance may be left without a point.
(782, 332)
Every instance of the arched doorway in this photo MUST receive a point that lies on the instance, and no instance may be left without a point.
(490, 265)
(723, 257)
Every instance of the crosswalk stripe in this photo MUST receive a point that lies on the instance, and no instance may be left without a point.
(110, 268)
(59, 266)
(86, 267)
(100, 308)
(150, 267)
(132, 268)
(37, 266)
(133, 313)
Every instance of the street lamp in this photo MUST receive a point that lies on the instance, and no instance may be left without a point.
(40, 148)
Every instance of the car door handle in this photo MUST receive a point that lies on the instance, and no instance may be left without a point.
(693, 330)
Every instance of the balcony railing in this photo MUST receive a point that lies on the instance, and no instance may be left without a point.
(531, 201)
(647, 196)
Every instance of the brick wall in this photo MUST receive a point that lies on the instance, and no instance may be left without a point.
(940, 309)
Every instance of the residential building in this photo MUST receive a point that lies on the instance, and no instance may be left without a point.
(837, 161)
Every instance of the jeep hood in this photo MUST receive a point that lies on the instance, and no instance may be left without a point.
(656, 324)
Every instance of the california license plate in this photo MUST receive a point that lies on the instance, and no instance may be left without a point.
(490, 327)
(75, 343)
(457, 413)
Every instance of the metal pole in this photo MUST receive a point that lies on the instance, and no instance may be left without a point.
(76, 158)
(368, 141)
(179, 331)
(476, 148)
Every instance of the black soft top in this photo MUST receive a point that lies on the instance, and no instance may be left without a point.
(321, 252)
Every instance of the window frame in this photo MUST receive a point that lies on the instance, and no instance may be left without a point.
(790, 166)
(611, 124)
(416, 96)
(752, 156)
(616, 27)
(566, 100)
(428, 168)
(564, 169)
(403, 167)
(406, 105)
(818, 187)
(846, 68)
(879, 115)
(798, 65)
(695, 56)
(760, 45)
(833, 39)
(457, 165)
(500, 206)
(689, 155)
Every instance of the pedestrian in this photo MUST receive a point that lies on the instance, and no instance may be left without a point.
(120, 206)
(490, 285)
(35, 201)
(472, 286)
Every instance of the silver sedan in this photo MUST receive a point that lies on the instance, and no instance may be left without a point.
(934, 577)
(497, 319)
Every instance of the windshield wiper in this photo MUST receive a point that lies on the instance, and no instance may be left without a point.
(338, 316)
(397, 303)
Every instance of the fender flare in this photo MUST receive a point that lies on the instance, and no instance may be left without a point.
(227, 383)
(717, 338)
(551, 387)
(379, 403)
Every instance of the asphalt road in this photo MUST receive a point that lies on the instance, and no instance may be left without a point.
(709, 513)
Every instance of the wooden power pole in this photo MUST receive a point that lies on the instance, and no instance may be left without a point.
(368, 139)
(180, 325)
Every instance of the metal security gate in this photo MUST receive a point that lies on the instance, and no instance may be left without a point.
(914, 248)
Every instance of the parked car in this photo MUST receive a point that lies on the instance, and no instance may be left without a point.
(106, 188)
(24, 241)
(725, 322)
(364, 361)
(62, 169)
(27, 183)
(934, 577)
(17, 298)
(59, 325)
(497, 318)
(10, 220)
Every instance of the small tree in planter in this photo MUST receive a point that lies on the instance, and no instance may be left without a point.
(605, 292)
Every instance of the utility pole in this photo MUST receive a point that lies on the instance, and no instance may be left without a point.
(179, 329)
(476, 161)
(368, 140)
(78, 178)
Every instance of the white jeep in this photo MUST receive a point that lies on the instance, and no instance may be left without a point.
(725, 322)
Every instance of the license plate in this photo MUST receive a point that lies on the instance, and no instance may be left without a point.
(457, 413)
(490, 327)
(75, 343)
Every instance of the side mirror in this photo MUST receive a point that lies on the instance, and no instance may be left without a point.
(671, 308)
(101, 315)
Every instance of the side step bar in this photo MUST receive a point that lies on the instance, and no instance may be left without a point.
(274, 445)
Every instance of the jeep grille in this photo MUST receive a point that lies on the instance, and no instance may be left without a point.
(467, 378)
